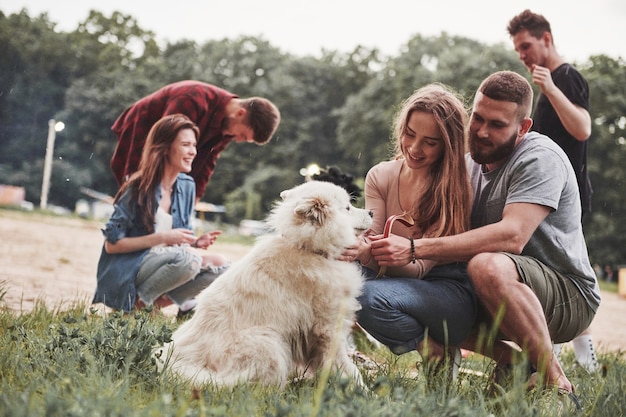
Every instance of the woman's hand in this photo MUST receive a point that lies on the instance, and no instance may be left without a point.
(360, 251)
(168, 238)
(177, 237)
(207, 239)
(391, 251)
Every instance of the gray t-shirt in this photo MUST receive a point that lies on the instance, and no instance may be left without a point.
(539, 172)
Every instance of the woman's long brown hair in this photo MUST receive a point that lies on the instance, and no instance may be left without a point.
(143, 183)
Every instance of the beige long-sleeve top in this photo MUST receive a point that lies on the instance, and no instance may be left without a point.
(382, 197)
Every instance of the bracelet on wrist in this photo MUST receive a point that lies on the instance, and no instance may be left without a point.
(412, 250)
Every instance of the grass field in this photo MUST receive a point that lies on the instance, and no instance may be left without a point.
(80, 363)
(76, 361)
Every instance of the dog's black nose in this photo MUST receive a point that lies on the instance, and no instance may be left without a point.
(371, 213)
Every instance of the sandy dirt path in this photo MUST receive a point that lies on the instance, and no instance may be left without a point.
(53, 260)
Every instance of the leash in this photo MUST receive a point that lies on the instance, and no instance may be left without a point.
(403, 218)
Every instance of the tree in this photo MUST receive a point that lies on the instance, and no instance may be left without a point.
(105, 44)
(112, 51)
(37, 69)
(606, 229)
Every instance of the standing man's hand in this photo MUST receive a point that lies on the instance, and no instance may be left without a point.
(575, 119)
(542, 78)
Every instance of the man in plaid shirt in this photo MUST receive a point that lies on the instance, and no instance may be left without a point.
(221, 116)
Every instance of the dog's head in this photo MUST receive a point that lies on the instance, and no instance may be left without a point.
(319, 217)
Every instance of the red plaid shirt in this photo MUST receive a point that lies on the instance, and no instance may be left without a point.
(203, 103)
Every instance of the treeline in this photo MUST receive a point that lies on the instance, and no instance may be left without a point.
(336, 108)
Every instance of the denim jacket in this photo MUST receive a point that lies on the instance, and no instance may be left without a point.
(116, 272)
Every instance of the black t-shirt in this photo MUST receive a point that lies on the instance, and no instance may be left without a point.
(547, 122)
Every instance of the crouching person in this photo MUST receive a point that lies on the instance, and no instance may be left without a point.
(150, 255)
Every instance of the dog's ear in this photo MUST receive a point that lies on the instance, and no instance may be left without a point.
(283, 194)
(313, 210)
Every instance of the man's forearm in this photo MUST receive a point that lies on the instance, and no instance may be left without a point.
(464, 246)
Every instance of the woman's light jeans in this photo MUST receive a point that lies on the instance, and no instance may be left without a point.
(174, 271)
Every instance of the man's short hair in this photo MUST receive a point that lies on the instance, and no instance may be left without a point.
(263, 118)
(509, 86)
(534, 23)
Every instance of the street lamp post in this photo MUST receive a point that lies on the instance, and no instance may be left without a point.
(53, 127)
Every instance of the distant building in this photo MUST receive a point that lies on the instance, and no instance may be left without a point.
(100, 207)
(11, 195)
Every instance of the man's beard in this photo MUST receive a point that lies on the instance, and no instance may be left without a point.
(491, 155)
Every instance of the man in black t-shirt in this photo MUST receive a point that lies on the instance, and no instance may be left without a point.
(562, 109)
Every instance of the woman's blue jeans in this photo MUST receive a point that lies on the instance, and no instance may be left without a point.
(399, 311)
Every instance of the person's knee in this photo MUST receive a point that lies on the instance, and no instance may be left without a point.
(491, 265)
(489, 271)
(186, 264)
(369, 307)
(364, 300)
(215, 260)
(481, 264)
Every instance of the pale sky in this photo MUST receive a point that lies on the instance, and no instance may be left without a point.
(305, 27)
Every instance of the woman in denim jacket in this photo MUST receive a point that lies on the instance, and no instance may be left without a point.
(150, 255)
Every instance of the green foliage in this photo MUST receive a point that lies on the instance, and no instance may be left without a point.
(79, 363)
(36, 70)
(59, 362)
(336, 109)
(251, 200)
(606, 229)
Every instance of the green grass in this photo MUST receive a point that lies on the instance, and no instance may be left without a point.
(80, 363)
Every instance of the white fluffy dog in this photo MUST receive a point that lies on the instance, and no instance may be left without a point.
(287, 307)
